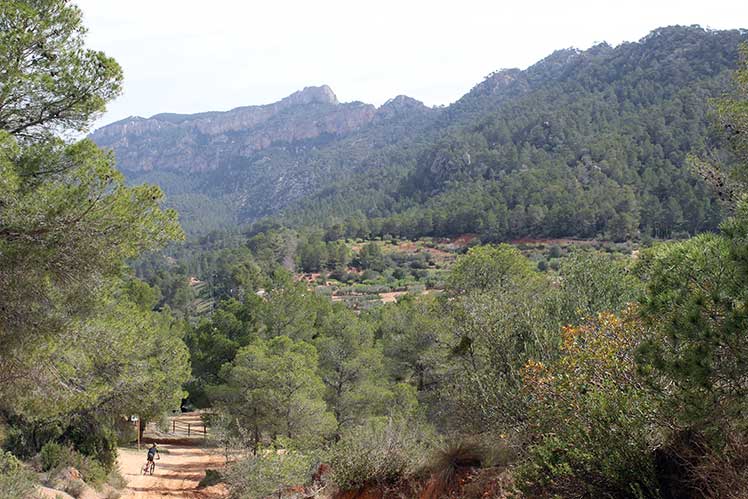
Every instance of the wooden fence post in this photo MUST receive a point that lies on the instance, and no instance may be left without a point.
(173, 426)
(188, 429)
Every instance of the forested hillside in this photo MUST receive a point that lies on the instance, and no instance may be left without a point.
(584, 143)
(220, 169)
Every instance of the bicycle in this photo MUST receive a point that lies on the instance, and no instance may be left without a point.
(149, 466)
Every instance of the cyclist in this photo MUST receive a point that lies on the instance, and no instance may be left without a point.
(152, 453)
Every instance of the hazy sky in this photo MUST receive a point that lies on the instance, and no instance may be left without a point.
(196, 55)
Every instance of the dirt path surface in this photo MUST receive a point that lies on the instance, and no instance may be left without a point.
(181, 467)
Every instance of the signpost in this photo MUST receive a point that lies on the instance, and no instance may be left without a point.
(137, 427)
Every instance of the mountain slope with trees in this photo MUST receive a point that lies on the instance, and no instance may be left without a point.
(225, 168)
(584, 143)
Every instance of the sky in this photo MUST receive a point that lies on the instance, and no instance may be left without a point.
(189, 56)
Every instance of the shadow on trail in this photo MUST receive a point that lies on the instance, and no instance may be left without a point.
(182, 467)
(193, 452)
(176, 476)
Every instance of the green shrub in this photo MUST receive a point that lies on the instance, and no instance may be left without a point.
(92, 471)
(16, 482)
(53, 455)
(266, 473)
(94, 439)
(116, 480)
(75, 488)
(380, 451)
(212, 477)
(17, 443)
(164, 423)
(125, 432)
(25, 439)
(84, 433)
(592, 416)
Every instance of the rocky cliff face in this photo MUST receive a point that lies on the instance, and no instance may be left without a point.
(252, 161)
(203, 142)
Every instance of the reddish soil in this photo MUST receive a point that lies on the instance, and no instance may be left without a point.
(411, 247)
(560, 242)
(469, 483)
(464, 240)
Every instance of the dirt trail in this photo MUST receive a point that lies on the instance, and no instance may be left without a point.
(181, 467)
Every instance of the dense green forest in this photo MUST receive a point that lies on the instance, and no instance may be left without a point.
(582, 144)
(575, 369)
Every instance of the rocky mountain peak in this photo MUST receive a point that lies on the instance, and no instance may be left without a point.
(311, 95)
(206, 141)
(402, 102)
(400, 105)
(497, 81)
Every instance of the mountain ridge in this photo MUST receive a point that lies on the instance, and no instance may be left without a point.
(317, 161)
(307, 114)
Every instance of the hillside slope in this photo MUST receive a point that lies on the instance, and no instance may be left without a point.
(238, 165)
(582, 143)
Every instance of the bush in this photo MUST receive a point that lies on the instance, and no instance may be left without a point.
(94, 439)
(17, 443)
(92, 471)
(370, 275)
(449, 460)
(116, 480)
(592, 416)
(164, 423)
(75, 488)
(25, 439)
(16, 482)
(212, 477)
(689, 466)
(53, 455)
(266, 473)
(84, 433)
(419, 274)
(379, 452)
